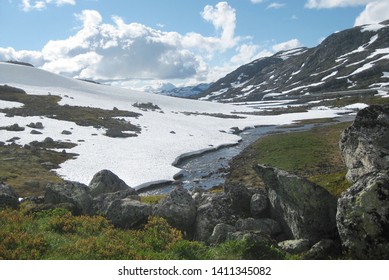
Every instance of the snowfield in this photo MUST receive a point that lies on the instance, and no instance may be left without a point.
(165, 136)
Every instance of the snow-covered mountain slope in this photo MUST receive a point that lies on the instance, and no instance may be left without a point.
(177, 127)
(353, 59)
(185, 92)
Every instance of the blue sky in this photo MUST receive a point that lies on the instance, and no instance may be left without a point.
(136, 43)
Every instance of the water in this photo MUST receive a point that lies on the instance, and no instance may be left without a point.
(210, 168)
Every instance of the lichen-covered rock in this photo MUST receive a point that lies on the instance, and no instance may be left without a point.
(363, 217)
(128, 213)
(304, 209)
(70, 192)
(325, 249)
(259, 203)
(105, 181)
(365, 145)
(213, 209)
(297, 246)
(8, 197)
(220, 233)
(268, 227)
(240, 197)
(178, 208)
(102, 201)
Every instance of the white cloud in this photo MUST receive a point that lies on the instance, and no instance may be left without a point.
(248, 53)
(275, 5)
(29, 5)
(284, 46)
(326, 4)
(374, 12)
(256, 1)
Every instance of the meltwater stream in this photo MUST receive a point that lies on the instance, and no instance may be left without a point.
(209, 169)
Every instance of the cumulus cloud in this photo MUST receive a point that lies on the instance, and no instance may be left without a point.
(374, 12)
(288, 45)
(29, 5)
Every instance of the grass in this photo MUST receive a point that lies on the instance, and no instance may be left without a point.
(313, 154)
(57, 234)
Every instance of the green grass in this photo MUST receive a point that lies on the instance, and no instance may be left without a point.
(313, 154)
(57, 234)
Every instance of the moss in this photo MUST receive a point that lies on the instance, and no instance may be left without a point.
(152, 199)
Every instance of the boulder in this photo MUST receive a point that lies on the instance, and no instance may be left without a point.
(325, 249)
(304, 209)
(102, 201)
(259, 203)
(105, 181)
(265, 226)
(8, 197)
(240, 197)
(297, 246)
(365, 145)
(178, 208)
(70, 192)
(128, 213)
(363, 217)
(220, 233)
(213, 209)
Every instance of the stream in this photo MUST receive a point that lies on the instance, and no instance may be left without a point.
(210, 168)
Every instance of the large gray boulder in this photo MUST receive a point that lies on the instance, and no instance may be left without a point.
(365, 145)
(268, 227)
(363, 217)
(102, 201)
(105, 181)
(8, 197)
(178, 208)
(128, 213)
(70, 192)
(213, 209)
(296, 246)
(304, 209)
(240, 197)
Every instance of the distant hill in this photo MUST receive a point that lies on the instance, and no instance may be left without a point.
(354, 59)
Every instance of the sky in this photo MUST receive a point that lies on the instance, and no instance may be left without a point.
(143, 44)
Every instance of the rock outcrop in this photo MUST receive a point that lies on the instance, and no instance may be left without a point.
(304, 209)
(365, 145)
(178, 208)
(363, 210)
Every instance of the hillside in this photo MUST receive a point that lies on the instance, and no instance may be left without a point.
(353, 59)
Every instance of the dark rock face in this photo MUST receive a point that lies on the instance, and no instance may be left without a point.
(8, 197)
(178, 208)
(365, 145)
(128, 213)
(70, 192)
(304, 209)
(363, 217)
(105, 181)
(240, 197)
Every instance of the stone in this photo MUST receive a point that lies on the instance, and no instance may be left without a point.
(36, 132)
(102, 201)
(297, 246)
(70, 192)
(364, 145)
(128, 213)
(105, 181)
(268, 227)
(66, 132)
(363, 217)
(213, 209)
(178, 208)
(220, 233)
(8, 197)
(240, 197)
(304, 209)
(259, 203)
(325, 249)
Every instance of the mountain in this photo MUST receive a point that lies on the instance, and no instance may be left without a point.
(186, 92)
(354, 59)
(136, 135)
